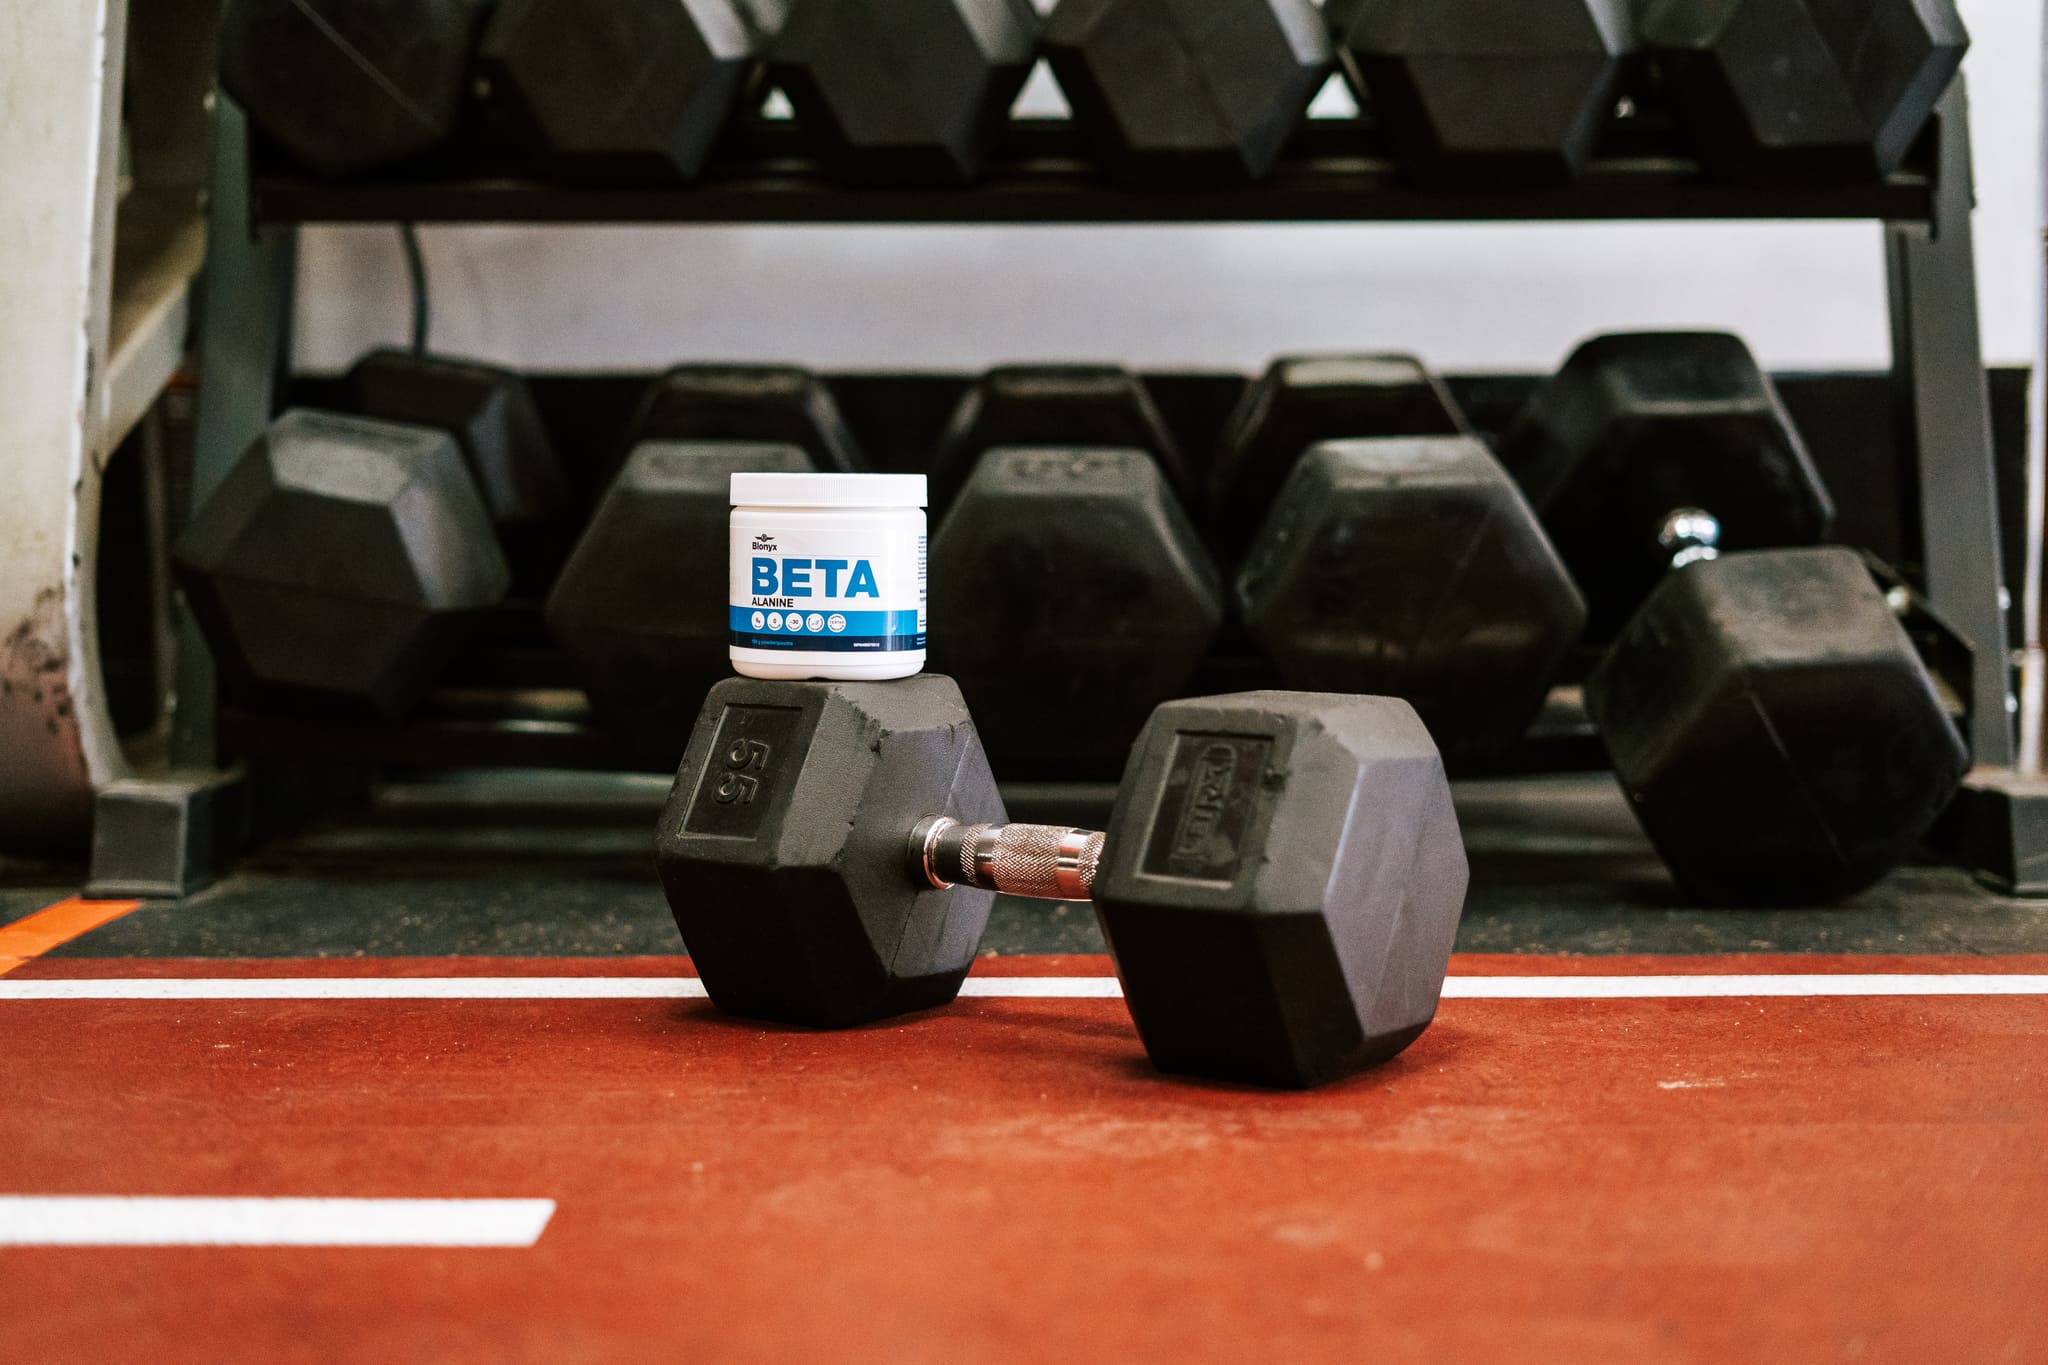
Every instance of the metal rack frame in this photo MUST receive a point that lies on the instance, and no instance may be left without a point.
(1942, 401)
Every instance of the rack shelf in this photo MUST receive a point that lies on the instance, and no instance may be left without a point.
(1332, 174)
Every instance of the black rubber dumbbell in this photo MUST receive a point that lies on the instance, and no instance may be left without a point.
(1053, 405)
(628, 85)
(349, 85)
(1280, 882)
(1776, 730)
(1803, 89)
(1414, 567)
(1487, 92)
(1073, 587)
(1304, 400)
(1189, 93)
(904, 91)
(1070, 594)
(492, 416)
(345, 559)
(1638, 426)
(640, 608)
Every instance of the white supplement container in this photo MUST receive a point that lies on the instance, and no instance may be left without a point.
(827, 575)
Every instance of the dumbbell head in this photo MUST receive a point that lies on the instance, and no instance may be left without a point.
(1770, 721)
(1804, 89)
(782, 848)
(1306, 399)
(491, 414)
(777, 403)
(640, 607)
(340, 561)
(1636, 427)
(1052, 405)
(627, 83)
(1413, 568)
(1508, 92)
(904, 91)
(1188, 92)
(1281, 884)
(347, 85)
(1076, 596)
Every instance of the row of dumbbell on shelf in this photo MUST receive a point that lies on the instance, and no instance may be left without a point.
(1757, 688)
(1187, 92)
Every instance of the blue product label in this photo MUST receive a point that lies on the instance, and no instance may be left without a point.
(827, 589)
(835, 632)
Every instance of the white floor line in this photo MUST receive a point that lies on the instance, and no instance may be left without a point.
(124, 1220)
(1758, 985)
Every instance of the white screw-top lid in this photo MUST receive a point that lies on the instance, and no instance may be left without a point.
(829, 490)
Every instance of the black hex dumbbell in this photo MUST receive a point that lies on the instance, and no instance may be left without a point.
(1073, 595)
(345, 558)
(626, 85)
(1188, 92)
(345, 86)
(1053, 405)
(904, 91)
(1280, 882)
(640, 606)
(1804, 89)
(1769, 717)
(1487, 92)
(1638, 426)
(1304, 400)
(1073, 586)
(1414, 567)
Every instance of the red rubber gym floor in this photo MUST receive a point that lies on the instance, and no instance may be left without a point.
(1780, 1157)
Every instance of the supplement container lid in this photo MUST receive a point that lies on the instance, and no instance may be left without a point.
(828, 490)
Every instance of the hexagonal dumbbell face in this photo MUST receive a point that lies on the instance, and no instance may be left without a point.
(904, 91)
(337, 560)
(1052, 405)
(345, 85)
(1188, 92)
(491, 414)
(1281, 885)
(776, 403)
(1799, 88)
(1072, 595)
(1500, 94)
(1637, 427)
(640, 608)
(782, 849)
(1414, 569)
(648, 82)
(1780, 739)
(1301, 401)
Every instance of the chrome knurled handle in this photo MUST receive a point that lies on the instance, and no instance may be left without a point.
(1043, 862)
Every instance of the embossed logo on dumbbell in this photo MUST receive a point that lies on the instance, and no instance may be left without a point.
(1208, 793)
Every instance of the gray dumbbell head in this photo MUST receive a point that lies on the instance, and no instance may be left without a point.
(1794, 89)
(1077, 596)
(1774, 728)
(782, 847)
(1414, 568)
(340, 559)
(1282, 884)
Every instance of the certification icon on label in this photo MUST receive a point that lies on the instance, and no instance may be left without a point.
(815, 622)
(835, 623)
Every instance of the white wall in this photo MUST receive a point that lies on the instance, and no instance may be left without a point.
(1465, 297)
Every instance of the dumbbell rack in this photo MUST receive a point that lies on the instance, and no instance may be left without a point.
(1331, 174)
